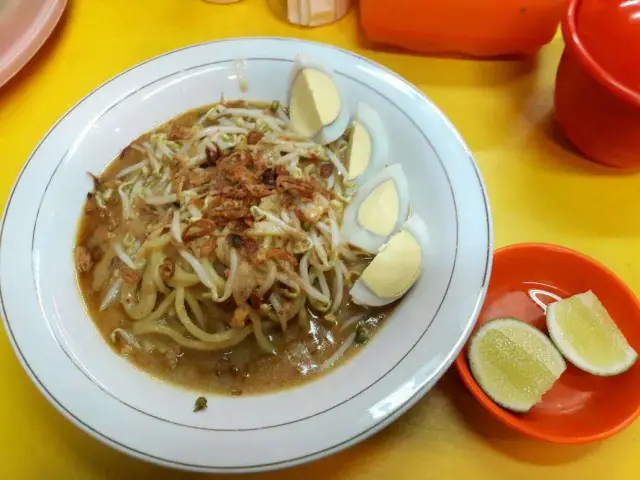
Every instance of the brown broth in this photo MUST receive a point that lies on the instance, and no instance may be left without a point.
(243, 369)
(240, 370)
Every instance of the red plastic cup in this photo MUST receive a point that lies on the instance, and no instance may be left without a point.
(597, 96)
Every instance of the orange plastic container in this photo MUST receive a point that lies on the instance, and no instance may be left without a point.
(481, 28)
(597, 96)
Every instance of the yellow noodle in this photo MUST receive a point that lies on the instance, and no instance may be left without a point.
(195, 309)
(277, 306)
(191, 327)
(156, 259)
(147, 296)
(269, 279)
(102, 271)
(158, 242)
(215, 316)
(262, 340)
(218, 281)
(294, 288)
(162, 309)
(226, 339)
(303, 315)
(182, 279)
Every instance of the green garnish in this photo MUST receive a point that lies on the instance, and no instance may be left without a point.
(201, 404)
(363, 334)
(331, 318)
(275, 105)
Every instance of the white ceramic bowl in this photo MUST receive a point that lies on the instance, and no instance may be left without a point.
(100, 392)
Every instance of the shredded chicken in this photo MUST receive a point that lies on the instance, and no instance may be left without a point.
(178, 132)
(326, 170)
(212, 153)
(84, 263)
(254, 137)
(280, 254)
(132, 277)
(239, 318)
(297, 187)
(167, 269)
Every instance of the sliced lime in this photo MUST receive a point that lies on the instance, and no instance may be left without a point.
(514, 363)
(587, 336)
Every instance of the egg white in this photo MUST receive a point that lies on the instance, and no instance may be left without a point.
(333, 131)
(359, 236)
(361, 294)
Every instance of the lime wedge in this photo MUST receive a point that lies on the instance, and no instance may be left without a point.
(514, 363)
(587, 336)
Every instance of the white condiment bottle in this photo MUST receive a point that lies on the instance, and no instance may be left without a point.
(312, 13)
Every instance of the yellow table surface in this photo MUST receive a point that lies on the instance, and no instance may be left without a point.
(539, 191)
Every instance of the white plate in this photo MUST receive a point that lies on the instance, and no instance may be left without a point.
(67, 359)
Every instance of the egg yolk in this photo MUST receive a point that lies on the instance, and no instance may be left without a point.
(396, 268)
(378, 213)
(359, 150)
(314, 102)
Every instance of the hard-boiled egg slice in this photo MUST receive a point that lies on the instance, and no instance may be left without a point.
(377, 210)
(359, 151)
(395, 268)
(317, 109)
(368, 145)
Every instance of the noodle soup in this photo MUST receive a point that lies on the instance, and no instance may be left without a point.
(209, 255)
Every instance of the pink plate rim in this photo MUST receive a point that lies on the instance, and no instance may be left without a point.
(26, 45)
